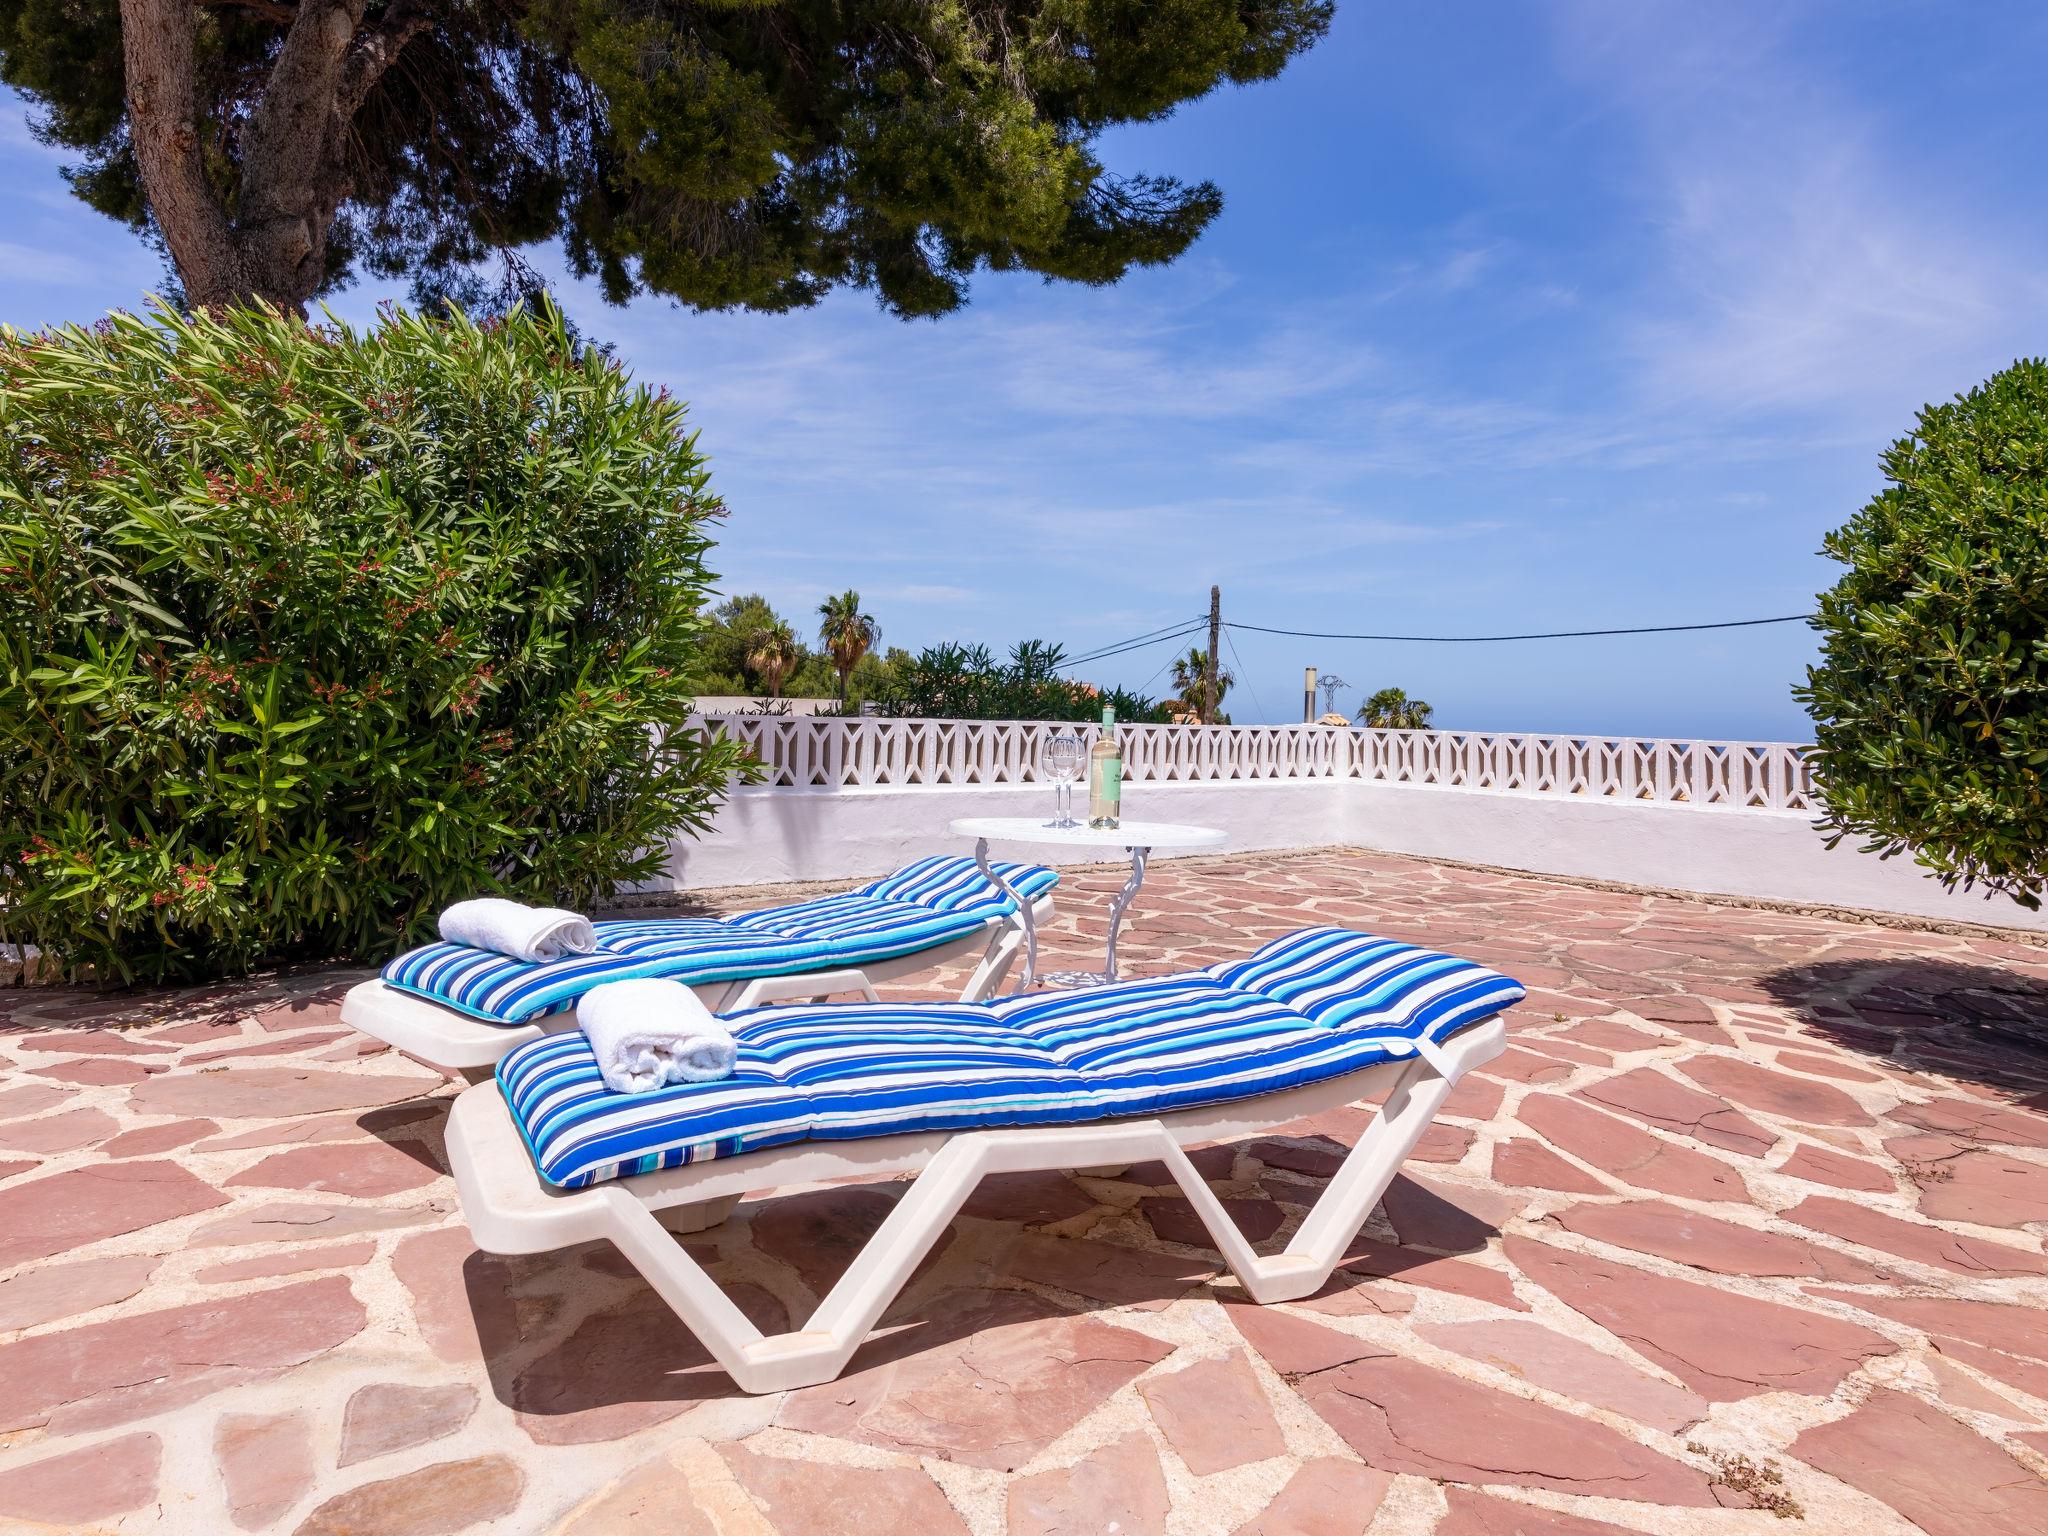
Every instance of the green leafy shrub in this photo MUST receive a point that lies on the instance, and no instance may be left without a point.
(1930, 702)
(966, 682)
(306, 632)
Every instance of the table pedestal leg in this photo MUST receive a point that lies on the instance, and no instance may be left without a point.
(1118, 907)
(1024, 914)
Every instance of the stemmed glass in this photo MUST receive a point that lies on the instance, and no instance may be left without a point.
(1061, 757)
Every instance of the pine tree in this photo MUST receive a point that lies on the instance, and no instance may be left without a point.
(727, 153)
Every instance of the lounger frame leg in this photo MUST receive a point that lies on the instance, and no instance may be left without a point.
(987, 977)
(820, 1350)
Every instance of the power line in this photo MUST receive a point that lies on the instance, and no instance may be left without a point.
(1191, 627)
(1556, 634)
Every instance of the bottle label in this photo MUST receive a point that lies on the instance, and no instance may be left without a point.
(1113, 782)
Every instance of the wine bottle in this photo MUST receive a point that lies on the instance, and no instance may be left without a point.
(1105, 776)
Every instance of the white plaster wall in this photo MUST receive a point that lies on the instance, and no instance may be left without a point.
(769, 835)
(766, 836)
(1775, 855)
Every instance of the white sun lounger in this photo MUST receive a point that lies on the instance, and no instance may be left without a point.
(1103, 1077)
(460, 1010)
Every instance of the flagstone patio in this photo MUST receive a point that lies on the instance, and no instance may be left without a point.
(1743, 1234)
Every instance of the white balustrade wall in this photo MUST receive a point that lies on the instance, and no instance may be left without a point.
(841, 799)
(798, 753)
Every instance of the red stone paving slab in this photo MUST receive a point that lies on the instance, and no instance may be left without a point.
(1825, 1066)
(1544, 1357)
(1767, 1092)
(1817, 1165)
(90, 1042)
(1977, 1121)
(1529, 1164)
(1722, 1345)
(1649, 1096)
(268, 1266)
(2029, 1376)
(1943, 1477)
(1453, 1218)
(73, 1489)
(1214, 1414)
(626, 1367)
(31, 1099)
(266, 1464)
(234, 1336)
(393, 1416)
(1480, 1514)
(448, 1496)
(98, 1071)
(47, 1293)
(1328, 1496)
(268, 1093)
(1627, 1153)
(1963, 1390)
(1109, 1272)
(51, 1135)
(1995, 1325)
(1416, 1266)
(302, 1221)
(1173, 1220)
(1686, 1237)
(153, 1140)
(1403, 1416)
(1959, 1181)
(1914, 1240)
(1614, 1035)
(363, 1169)
(1117, 1488)
(992, 1380)
(301, 1013)
(52, 1215)
(310, 1130)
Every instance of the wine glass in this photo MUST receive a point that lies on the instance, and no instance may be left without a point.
(1061, 757)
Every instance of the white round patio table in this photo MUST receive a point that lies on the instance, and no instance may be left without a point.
(1138, 838)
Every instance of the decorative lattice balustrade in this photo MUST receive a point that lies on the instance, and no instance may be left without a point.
(800, 752)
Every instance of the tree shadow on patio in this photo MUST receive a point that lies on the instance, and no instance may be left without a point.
(1974, 1021)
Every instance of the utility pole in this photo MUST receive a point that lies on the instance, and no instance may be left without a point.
(1209, 699)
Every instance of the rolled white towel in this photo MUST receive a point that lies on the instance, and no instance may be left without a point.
(650, 1031)
(512, 928)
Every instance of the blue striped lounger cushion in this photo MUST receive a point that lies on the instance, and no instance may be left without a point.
(1311, 1006)
(931, 902)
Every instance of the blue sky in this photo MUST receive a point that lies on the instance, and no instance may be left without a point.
(1519, 316)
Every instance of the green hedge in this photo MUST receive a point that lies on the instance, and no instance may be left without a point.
(306, 632)
(1930, 703)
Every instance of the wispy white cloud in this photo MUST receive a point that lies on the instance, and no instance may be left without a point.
(1810, 258)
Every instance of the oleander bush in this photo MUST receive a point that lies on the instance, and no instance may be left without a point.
(307, 631)
(1930, 702)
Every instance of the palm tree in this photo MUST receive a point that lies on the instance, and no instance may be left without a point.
(1392, 710)
(1190, 677)
(847, 634)
(772, 653)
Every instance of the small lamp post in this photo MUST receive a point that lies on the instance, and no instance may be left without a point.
(1308, 696)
